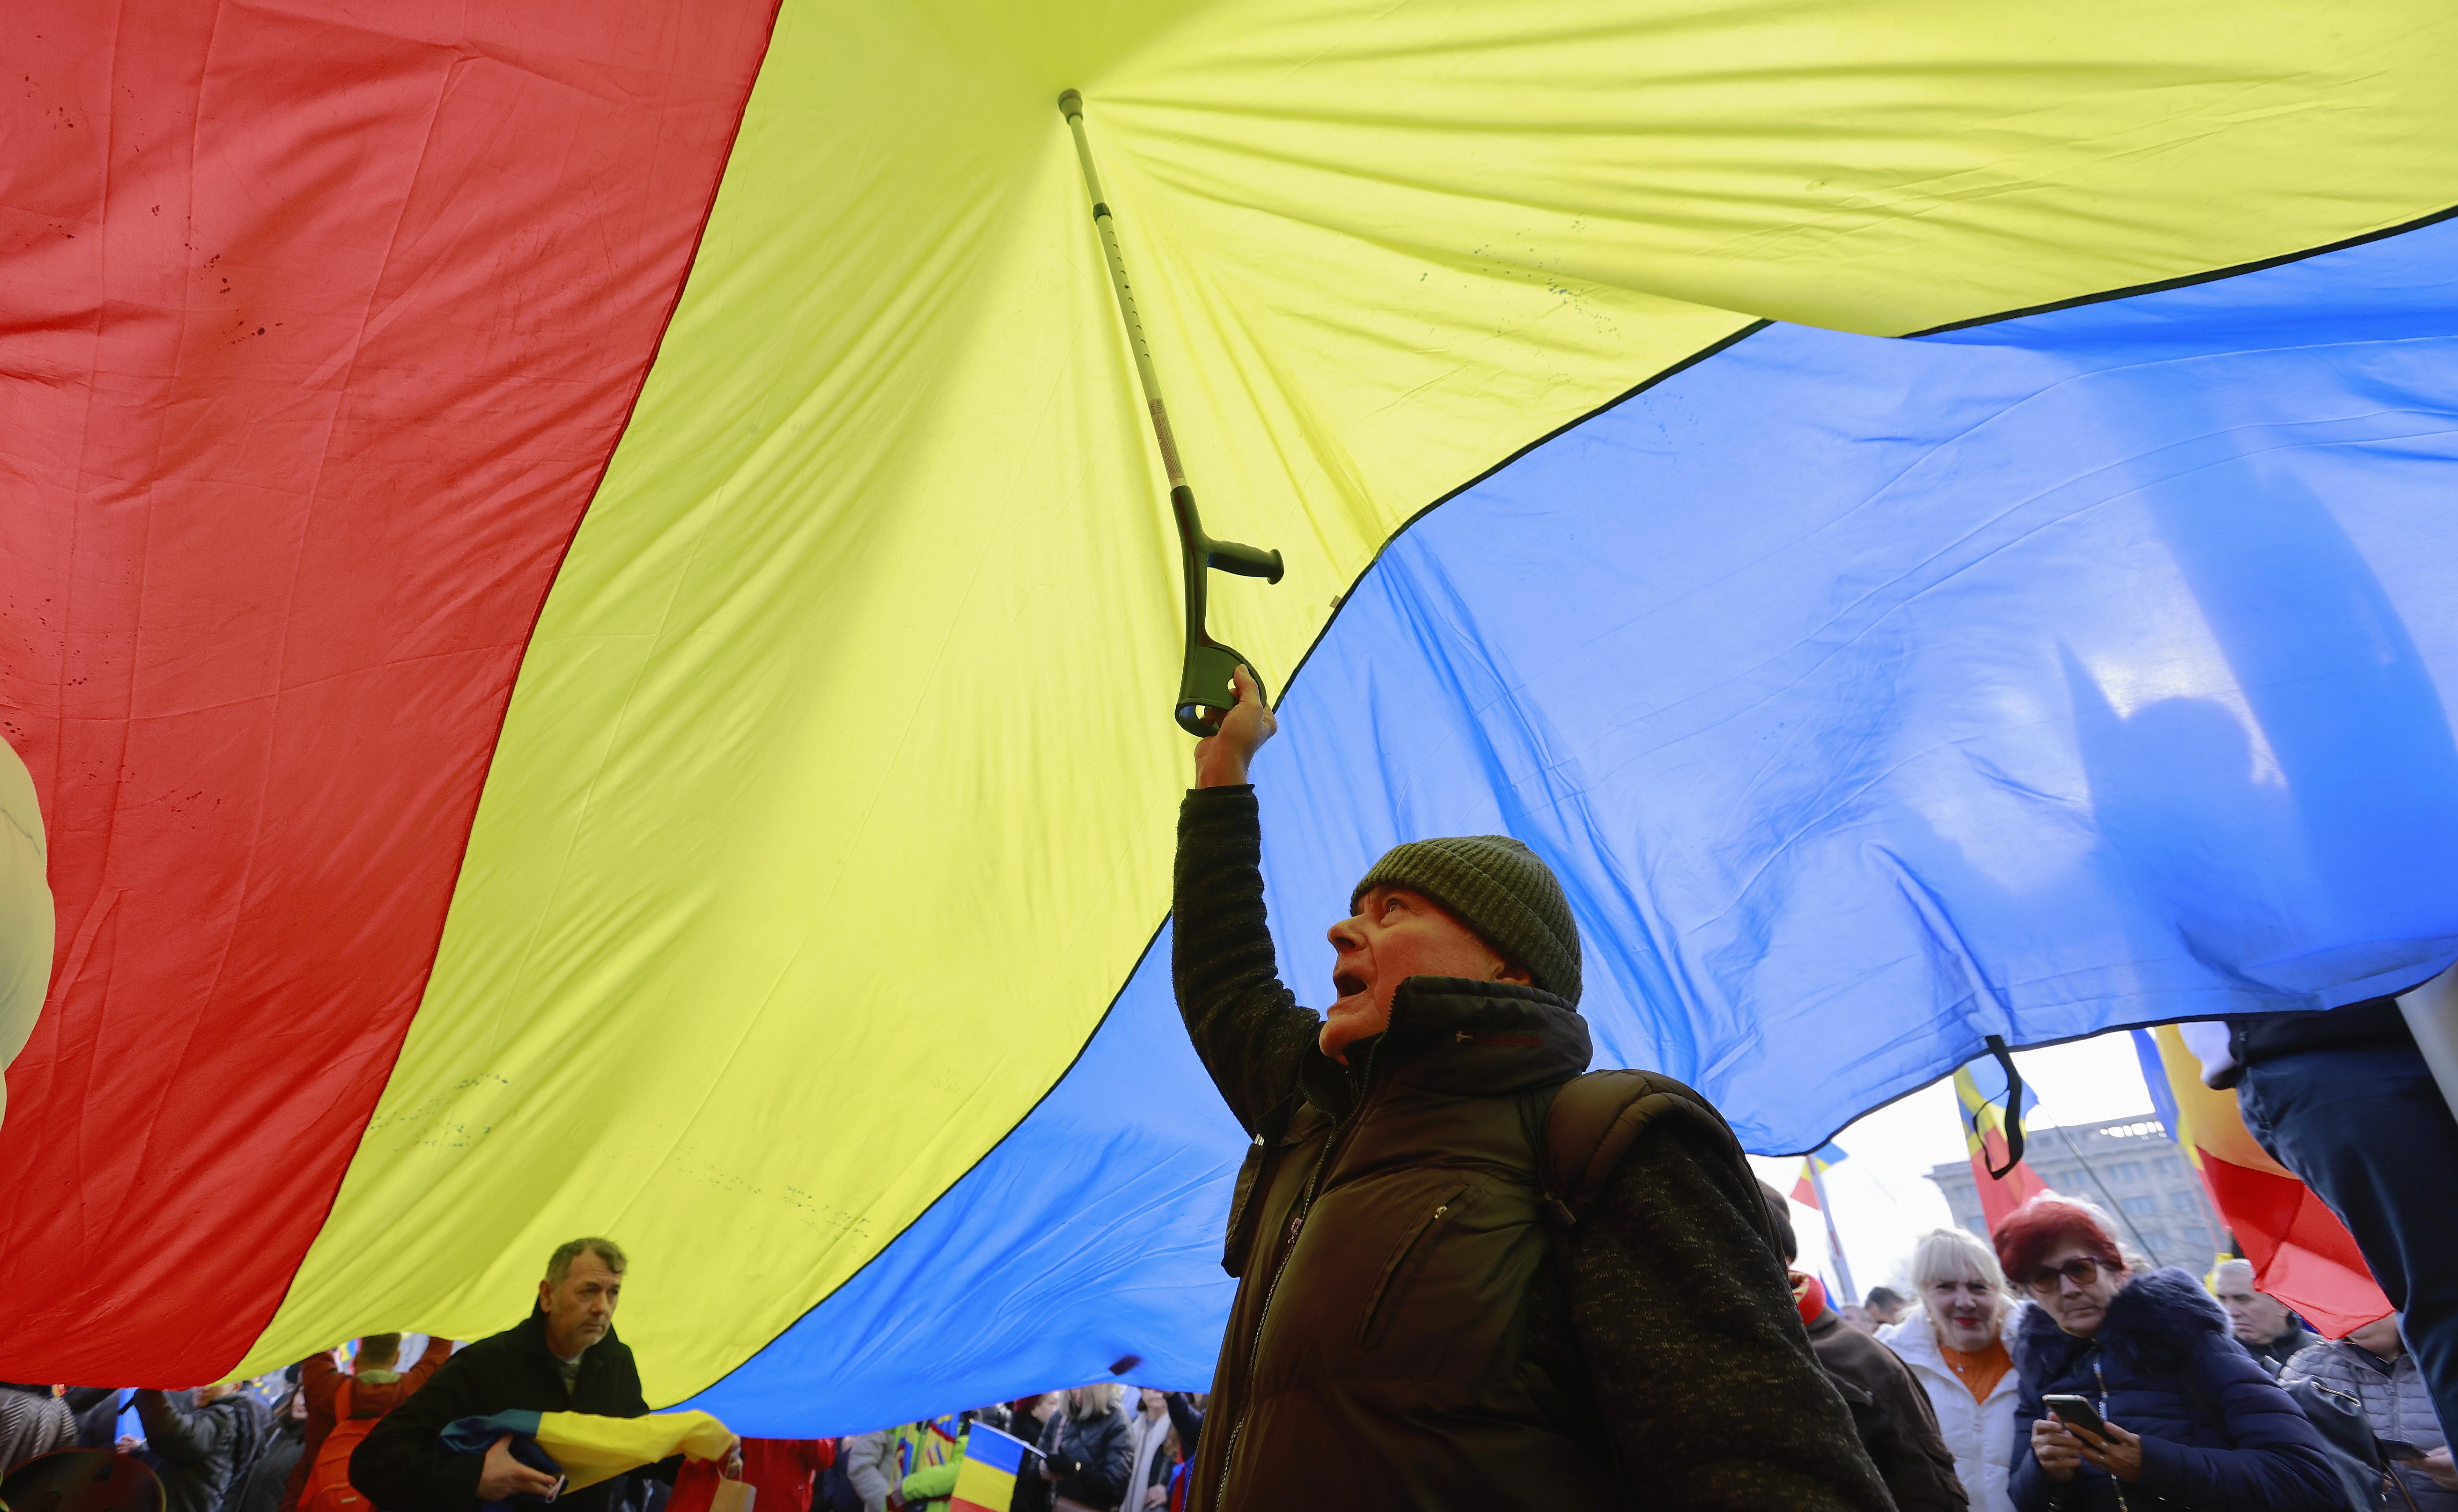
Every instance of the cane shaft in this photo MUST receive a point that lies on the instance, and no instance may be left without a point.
(1106, 223)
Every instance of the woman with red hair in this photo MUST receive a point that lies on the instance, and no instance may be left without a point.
(2189, 1419)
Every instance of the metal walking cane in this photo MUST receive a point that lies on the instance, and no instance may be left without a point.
(1203, 692)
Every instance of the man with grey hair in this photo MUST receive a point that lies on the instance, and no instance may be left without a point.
(2262, 1322)
(563, 1357)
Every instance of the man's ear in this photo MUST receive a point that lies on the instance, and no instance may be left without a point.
(1507, 972)
(546, 1296)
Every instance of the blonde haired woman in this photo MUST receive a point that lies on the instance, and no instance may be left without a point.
(1955, 1342)
(1084, 1450)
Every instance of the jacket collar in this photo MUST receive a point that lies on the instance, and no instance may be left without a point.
(1915, 1338)
(533, 1332)
(2159, 1319)
(1462, 1037)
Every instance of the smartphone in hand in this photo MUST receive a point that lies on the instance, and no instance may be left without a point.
(2077, 1412)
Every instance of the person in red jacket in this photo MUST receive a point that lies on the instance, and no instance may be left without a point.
(780, 1471)
(376, 1388)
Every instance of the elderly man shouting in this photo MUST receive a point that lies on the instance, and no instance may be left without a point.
(563, 1357)
(1432, 1312)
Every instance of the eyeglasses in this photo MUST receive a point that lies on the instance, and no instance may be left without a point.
(2082, 1270)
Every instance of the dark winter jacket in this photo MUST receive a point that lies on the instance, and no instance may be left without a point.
(1090, 1457)
(1892, 1410)
(265, 1485)
(1402, 1335)
(195, 1449)
(2217, 1433)
(401, 1467)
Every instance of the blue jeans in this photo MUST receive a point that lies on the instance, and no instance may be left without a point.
(2368, 1129)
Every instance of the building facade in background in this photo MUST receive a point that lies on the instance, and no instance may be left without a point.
(2128, 1165)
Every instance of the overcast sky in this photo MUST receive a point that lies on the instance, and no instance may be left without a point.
(1883, 1197)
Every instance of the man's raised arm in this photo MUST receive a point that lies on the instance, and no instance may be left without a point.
(1248, 1028)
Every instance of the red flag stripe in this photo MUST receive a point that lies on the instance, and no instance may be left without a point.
(333, 316)
(2300, 1253)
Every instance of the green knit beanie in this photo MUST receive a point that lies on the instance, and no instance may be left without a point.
(1498, 888)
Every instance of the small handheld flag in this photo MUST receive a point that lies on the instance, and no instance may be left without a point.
(985, 1481)
(1810, 1192)
(1978, 1087)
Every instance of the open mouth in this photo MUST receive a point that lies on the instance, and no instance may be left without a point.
(1348, 983)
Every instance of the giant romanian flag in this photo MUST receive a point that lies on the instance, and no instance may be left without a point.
(591, 612)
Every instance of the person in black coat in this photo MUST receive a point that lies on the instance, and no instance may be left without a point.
(1084, 1448)
(200, 1442)
(261, 1487)
(2192, 1419)
(564, 1358)
(1890, 1408)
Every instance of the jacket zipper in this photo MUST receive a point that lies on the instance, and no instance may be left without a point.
(1288, 1246)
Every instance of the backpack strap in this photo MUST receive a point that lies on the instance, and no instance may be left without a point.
(1596, 1118)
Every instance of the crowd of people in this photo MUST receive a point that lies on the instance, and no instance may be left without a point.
(286, 1442)
(2046, 1370)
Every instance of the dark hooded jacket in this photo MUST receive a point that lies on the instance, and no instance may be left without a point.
(199, 1452)
(401, 1467)
(1409, 1331)
(2218, 1434)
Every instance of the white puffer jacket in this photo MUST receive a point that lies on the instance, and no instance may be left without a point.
(1980, 1435)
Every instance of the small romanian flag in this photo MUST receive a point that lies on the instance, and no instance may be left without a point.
(985, 1481)
(1814, 1164)
(1980, 1088)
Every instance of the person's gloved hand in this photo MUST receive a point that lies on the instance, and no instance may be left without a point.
(504, 1475)
(1220, 759)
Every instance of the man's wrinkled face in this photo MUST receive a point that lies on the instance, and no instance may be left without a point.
(1394, 935)
(2255, 1318)
(580, 1308)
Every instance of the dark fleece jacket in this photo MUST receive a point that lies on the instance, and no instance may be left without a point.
(2218, 1434)
(401, 1467)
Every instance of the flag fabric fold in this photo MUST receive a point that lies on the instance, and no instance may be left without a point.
(2300, 1253)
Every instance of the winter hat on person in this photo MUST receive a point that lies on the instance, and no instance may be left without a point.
(1499, 889)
